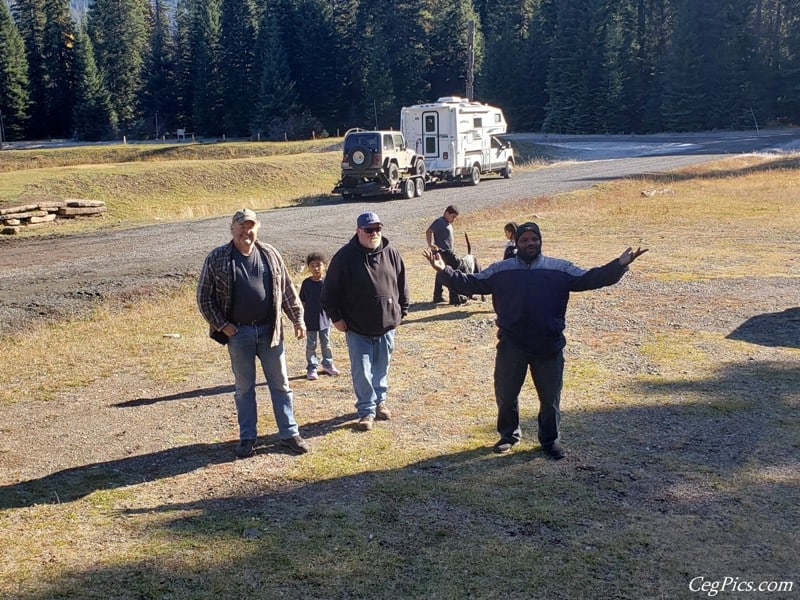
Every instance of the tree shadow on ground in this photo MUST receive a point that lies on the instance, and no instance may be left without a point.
(771, 329)
(646, 494)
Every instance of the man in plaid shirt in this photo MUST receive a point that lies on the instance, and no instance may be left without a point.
(243, 288)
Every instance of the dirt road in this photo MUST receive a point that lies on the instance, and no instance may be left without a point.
(47, 278)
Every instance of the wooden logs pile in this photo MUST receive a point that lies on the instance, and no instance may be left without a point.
(15, 218)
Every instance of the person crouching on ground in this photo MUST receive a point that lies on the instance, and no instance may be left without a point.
(366, 296)
(530, 295)
(243, 287)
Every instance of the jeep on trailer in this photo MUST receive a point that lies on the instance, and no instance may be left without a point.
(379, 162)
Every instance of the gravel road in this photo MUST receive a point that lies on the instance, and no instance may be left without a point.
(53, 277)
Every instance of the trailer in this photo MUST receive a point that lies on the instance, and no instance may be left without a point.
(379, 163)
(459, 139)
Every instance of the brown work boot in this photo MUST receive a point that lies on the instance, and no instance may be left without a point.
(365, 423)
(382, 412)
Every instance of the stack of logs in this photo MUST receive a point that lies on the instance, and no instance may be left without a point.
(15, 218)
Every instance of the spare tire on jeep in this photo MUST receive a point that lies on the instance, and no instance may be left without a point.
(360, 156)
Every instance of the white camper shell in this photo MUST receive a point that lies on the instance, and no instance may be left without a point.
(458, 139)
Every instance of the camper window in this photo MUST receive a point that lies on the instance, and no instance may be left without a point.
(430, 124)
(477, 122)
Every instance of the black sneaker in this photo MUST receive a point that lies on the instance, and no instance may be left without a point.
(296, 444)
(438, 299)
(504, 446)
(245, 448)
(554, 451)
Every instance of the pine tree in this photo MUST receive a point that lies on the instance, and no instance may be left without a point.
(238, 34)
(787, 102)
(30, 18)
(345, 16)
(120, 38)
(159, 95)
(276, 102)
(448, 46)
(58, 58)
(575, 74)
(510, 76)
(408, 39)
(306, 26)
(182, 77)
(205, 68)
(93, 115)
(375, 101)
(14, 98)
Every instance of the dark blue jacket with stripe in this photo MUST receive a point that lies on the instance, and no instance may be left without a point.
(531, 299)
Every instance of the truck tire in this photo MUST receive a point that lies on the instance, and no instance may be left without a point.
(506, 172)
(392, 174)
(474, 175)
(419, 186)
(407, 187)
(420, 168)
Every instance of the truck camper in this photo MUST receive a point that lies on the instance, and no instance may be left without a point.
(458, 138)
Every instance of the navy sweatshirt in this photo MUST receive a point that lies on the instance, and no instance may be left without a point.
(531, 299)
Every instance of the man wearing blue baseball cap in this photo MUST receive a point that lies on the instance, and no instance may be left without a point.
(365, 294)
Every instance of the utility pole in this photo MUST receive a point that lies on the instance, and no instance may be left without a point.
(470, 59)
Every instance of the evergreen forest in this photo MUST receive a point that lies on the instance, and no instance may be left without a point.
(290, 69)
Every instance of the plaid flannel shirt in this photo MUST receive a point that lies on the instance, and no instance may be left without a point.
(215, 289)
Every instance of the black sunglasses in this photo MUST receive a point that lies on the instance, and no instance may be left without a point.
(376, 229)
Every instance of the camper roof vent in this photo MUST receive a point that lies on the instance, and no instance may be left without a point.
(451, 99)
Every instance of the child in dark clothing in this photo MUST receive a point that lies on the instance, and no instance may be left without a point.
(317, 322)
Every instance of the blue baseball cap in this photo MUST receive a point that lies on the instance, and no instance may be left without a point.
(368, 218)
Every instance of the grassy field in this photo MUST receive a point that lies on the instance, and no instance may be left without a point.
(680, 421)
(146, 184)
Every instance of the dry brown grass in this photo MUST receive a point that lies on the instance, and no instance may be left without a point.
(679, 420)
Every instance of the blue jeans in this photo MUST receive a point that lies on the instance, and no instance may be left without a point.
(369, 367)
(510, 368)
(251, 342)
(325, 347)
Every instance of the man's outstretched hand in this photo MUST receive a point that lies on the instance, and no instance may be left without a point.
(434, 258)
(630, 255)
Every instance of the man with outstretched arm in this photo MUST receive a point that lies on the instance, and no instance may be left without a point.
(530, 295)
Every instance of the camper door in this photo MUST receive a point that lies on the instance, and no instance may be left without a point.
(430, 134)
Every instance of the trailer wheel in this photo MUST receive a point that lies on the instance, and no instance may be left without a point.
(474, 175)
(509, 168)
(408, 188)
(419, 186)
(392, 174)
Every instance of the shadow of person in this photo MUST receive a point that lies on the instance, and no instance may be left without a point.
(76, 482)
(771, 329)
